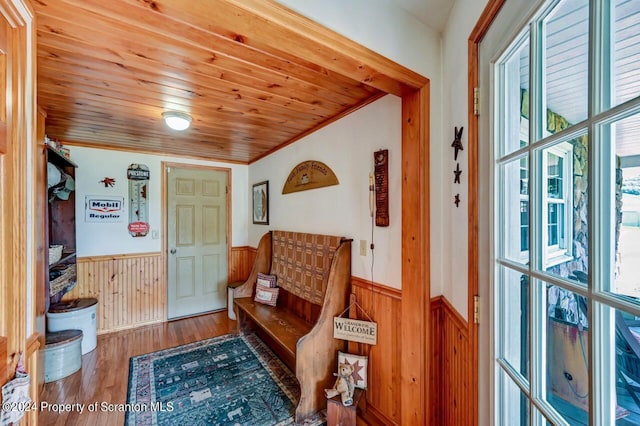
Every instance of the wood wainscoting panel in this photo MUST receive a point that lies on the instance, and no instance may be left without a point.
(382, 304)
(131, 289)
(452, 367)
(240, 263)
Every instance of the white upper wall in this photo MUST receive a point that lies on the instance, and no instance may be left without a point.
(347, 147)
(454, 221)
(380, 25)
(98, 239)
(386, 28)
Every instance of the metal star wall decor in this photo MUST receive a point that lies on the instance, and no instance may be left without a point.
(457, 142)
(457, 200)
(457, 172)
(108, 182)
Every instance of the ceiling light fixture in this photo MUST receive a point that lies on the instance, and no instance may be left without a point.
(177, 120)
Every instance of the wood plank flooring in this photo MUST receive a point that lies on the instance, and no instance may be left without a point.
(105, 371)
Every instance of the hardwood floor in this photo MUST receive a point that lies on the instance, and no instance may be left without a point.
(105, 371)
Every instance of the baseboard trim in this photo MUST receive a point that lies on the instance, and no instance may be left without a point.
(131, 326)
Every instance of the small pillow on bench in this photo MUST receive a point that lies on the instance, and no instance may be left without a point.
(266, 295)
(267, 280)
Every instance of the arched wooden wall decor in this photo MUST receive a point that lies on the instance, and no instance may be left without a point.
(309, 175)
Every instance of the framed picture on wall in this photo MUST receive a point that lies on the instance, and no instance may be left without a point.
(261, 203)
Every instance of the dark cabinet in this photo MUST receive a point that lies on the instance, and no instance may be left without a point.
(60, 224)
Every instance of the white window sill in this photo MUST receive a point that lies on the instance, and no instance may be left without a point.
(557, 260)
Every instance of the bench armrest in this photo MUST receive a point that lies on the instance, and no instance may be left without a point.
(316, 352)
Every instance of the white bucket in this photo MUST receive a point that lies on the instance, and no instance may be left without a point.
(80, 319)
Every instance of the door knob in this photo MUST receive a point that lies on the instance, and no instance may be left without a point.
(172, 251)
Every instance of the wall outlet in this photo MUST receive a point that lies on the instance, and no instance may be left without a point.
(155, 234)
(363, 247)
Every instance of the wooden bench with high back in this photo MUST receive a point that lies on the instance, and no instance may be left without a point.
(314, 274)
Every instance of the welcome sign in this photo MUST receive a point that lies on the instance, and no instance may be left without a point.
(355, 330)
(104, 209)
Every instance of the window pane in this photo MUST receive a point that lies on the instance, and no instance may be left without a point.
(554, 176)
(626, 193)
(567, 355)
(626, 50)
(524, 225)
(514, 214)
(566, 64)
(538, 418)
(627, 368)
(556, 225)
(564, 210)
(515, 407)
(514, 310)
(516, 96)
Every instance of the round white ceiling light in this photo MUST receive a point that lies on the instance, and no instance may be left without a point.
(177, 120)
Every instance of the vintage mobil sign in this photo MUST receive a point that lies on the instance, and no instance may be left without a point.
(104, 209)
(355, 330)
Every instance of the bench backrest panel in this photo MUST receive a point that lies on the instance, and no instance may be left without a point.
(302, 262)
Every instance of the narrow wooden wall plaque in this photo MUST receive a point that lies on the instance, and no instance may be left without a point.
(309, 175)
(381, 173)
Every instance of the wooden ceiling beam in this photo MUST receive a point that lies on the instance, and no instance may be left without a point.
(296, 34)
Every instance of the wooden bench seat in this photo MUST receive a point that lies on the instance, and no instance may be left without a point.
(314, 278)
(281, 325)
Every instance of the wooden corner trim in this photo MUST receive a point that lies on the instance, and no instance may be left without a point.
(484, 21)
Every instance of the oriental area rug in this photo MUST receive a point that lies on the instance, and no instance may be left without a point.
(227, 380)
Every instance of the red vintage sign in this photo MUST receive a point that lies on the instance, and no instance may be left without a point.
(139, 228)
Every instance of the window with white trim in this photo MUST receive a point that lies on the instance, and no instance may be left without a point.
(557, 204)
(566, 268)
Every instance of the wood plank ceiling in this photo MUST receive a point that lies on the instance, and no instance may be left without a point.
(107, 69)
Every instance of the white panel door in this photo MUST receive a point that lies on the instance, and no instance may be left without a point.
(196, 241)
